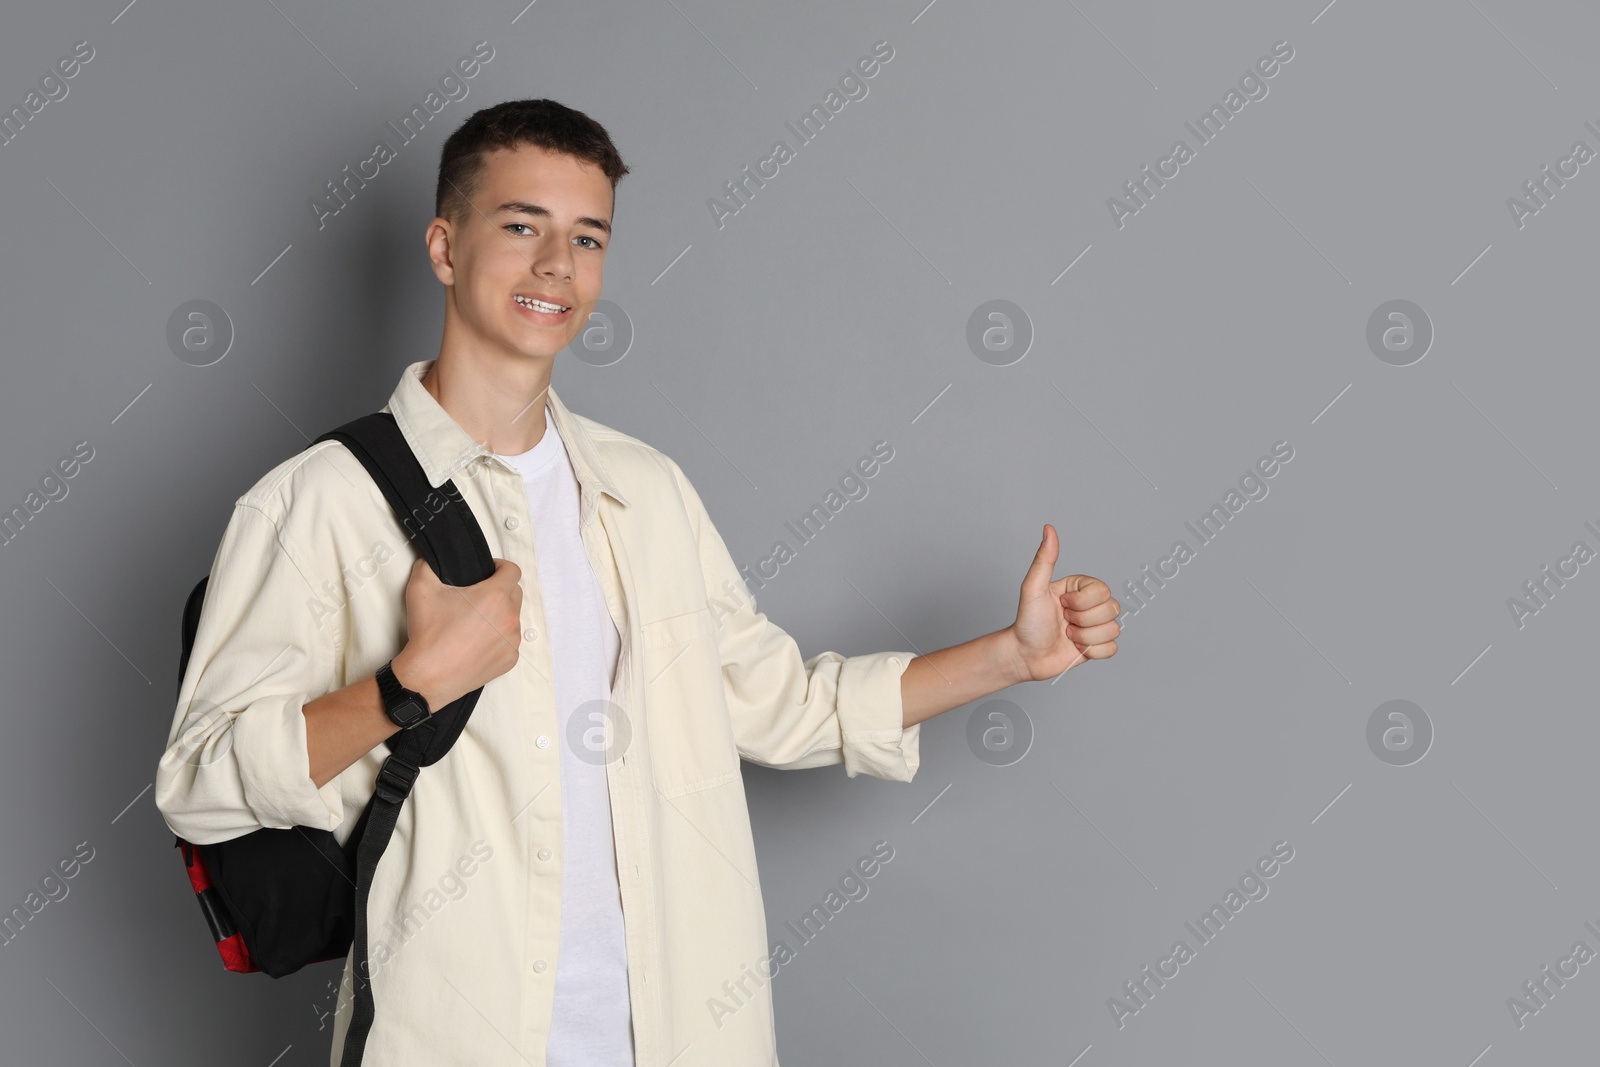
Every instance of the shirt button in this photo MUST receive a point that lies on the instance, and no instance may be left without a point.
(538, 965)
(530, 634)
(542, 741)
(544, 853)
(511, 523)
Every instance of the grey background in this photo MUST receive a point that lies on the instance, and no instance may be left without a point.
(831, 312)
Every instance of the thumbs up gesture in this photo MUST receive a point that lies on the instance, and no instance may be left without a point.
(1062, 623)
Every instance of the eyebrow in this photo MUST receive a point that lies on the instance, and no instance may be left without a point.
(522, 207)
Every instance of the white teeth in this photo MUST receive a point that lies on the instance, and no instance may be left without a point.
(538, 305)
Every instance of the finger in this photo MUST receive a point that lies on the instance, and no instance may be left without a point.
(1037, 581)
(421, 572)
(1094, 616)
(1100, 650)
(1094, 635)
(1084, 592)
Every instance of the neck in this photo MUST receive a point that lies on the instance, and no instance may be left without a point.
(498, 401)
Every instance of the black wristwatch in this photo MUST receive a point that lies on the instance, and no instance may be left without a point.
(405, 707)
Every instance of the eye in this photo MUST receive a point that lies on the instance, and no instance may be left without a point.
(592, 242)
(523, 225)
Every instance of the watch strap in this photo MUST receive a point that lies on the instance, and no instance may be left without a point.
(395, 694)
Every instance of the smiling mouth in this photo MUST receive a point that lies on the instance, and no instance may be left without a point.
(543, 307)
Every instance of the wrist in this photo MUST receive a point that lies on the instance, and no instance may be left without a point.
(411, 672)
(1014, 663)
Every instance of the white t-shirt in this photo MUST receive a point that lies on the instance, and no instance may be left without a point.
(592, 1022)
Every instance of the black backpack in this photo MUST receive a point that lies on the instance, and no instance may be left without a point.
(276, 900)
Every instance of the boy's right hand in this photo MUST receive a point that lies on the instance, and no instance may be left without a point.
(460, 637)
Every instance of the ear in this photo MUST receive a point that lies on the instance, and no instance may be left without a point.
(440, 239)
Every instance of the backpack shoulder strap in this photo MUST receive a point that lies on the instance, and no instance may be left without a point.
(441, 525)
(437, 520)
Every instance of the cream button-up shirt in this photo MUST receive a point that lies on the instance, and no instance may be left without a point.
(307, 595)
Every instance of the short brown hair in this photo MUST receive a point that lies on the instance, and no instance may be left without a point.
(544, 123)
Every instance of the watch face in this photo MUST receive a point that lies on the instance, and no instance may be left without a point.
(408, 712)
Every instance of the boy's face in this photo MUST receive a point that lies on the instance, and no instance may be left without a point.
(538, 230)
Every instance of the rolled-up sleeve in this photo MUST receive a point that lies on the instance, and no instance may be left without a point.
(788, 713)
(236, 757)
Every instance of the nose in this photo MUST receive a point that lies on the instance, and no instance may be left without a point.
(553, 261)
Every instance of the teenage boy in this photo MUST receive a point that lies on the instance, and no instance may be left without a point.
(575, 884)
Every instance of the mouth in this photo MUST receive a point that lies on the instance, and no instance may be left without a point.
(541, 310)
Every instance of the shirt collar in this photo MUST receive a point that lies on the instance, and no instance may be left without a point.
(444, 448)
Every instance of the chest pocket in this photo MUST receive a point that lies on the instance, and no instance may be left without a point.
(691, 740)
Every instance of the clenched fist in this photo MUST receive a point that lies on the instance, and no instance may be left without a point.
(460, 637)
